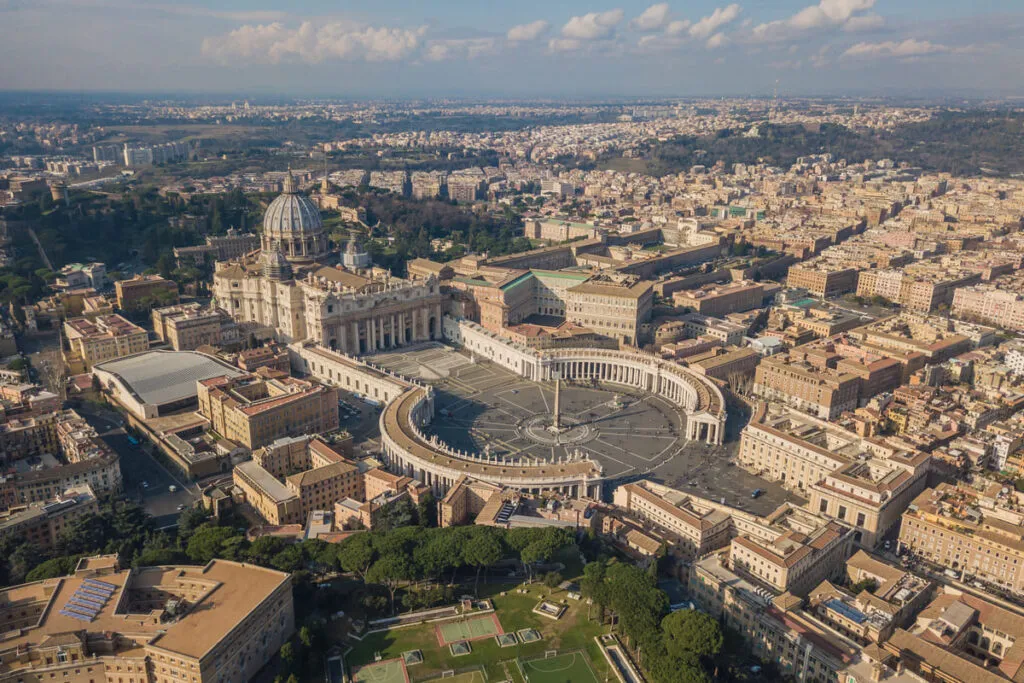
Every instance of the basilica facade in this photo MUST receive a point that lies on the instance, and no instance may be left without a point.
(294, 286)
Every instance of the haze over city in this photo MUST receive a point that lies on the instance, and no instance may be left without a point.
(462, 47)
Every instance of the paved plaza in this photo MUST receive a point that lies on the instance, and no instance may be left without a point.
(482, 407)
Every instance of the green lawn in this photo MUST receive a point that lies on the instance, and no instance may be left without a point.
(571, 667)
(381, 672)
(572, 632)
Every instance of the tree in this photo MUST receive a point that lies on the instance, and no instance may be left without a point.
(482, 550)
(594, 585)
(426, 510)
(207, 542)
(191, 519)
(389, 571)
(51, 569)
(692, 631)
(357, 554)
(552, 580)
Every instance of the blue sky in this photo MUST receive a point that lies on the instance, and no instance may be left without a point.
(516, 48)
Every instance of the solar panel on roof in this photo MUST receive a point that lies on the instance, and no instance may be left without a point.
(849, 612)
(79, 611)
(78, 604)
(100, 584)
(94, 594)
(88, 598)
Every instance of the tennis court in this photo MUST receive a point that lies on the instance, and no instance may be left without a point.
(571, 667)
(388, 671)
(474, 628)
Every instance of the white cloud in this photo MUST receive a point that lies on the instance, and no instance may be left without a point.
(525, 32)
(907, 48)
(865, 22)
(827, 13)
(711, 23)
(335, 40)
(462, 48)
(677, 27)
(564, 44)
(822, 59)
(716, 41)
(592, 26)
(652, 18)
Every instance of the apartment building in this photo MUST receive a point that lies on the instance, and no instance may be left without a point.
(777, 629)
(973, 533)
(188, 326)
(863, 483)
(792, 552)
(920, 290)
(962, 638)
(822, 279)
(43, 523)
(255, 409)
(990, 305)
(692, 529)
(821, 391)
(721, 299)
(103, 338)
(143, 291)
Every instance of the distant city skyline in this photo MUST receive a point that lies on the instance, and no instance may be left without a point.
(403, 48)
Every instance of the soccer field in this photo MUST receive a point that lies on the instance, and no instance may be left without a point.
(388, 671)
(474, 628)
(571, 667)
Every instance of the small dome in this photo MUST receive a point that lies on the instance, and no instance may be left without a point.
(292, 225)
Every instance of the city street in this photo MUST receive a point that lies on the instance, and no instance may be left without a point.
(146, 479)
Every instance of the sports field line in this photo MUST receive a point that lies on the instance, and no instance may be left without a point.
(386, 671)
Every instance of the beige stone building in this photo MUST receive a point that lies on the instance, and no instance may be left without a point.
(721, 299)
(863, 483)
(254, 410)
(822, 280)
(177, 624)
(613, 307)
(821, 391)
(104, 338)
(948, 527)
(143, 291)
(43, 524)
(692, 529)
(188, 326)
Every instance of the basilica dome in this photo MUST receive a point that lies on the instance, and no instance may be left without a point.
(292, 226)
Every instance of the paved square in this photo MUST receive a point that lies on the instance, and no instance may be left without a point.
(481, 407)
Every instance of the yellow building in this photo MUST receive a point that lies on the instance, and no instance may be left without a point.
(104, 338)
(254, 410)
(145, 291)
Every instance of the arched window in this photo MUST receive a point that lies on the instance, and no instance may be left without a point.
(972, 637)
(997, 648)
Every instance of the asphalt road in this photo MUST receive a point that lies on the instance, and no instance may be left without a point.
(146, 479)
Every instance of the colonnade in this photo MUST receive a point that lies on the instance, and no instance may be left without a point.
(384, 331)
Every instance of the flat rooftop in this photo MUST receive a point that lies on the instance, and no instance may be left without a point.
(159, 377)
